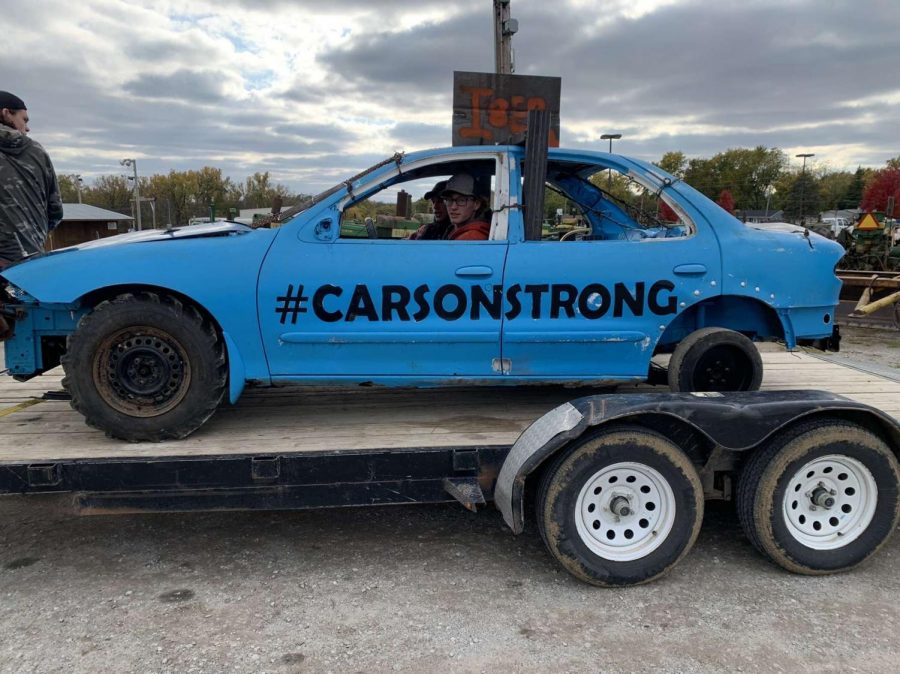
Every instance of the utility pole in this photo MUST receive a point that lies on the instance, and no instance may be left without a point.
(504, 28)
(803, 184)
(137, 192)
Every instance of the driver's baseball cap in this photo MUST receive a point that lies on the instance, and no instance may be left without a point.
(462, 183)
(436, 191)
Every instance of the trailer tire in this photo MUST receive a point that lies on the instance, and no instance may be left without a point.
(784, 489)
(715, 359)
(583, 496)
(145, 367)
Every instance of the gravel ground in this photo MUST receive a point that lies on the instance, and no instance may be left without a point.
(870, 345)
(414, 589)
(410, 589)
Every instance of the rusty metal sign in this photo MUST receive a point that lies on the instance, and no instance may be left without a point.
(491, 109)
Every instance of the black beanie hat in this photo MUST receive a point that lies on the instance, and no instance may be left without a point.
(11, 101)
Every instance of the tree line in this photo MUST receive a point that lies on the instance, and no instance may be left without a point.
(179, 195)
(762, 179)
(739, 179)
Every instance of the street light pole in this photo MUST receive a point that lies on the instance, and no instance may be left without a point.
(610, 137)
(803, 184)
(137, 192)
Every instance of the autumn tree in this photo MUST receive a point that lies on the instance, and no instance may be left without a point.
(211, 189)
(666, 214)
(68, 189)
(885, 184)
(112, 192)
(746, 173)
(674, 163)
(174, 196)
(260, 192)
(726, 201)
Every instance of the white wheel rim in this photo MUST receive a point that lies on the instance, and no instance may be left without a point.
(625, 511)
(829, 502)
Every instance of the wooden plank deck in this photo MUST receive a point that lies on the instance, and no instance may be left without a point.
(269, 421)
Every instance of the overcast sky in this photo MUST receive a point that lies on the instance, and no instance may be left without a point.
(315, 91)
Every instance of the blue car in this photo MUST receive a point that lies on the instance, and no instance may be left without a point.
(156, 328)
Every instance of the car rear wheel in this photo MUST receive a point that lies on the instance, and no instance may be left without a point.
(715, 359)
(145, 368)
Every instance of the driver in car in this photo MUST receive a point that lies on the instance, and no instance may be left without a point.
(466, 203)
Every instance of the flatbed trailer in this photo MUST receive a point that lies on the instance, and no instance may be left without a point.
(297, 448)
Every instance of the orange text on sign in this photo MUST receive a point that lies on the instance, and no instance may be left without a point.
(505, 117)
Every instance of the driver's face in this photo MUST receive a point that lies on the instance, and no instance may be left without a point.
(460, 208)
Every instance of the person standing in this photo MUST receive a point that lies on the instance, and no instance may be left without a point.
(30, 204)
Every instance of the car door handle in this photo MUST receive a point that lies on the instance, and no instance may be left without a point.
(690, 269)
(476, 270)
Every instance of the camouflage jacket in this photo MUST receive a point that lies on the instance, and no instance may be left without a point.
(30, 205)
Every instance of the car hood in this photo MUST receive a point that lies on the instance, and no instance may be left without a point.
(193, 255)
(188, 232)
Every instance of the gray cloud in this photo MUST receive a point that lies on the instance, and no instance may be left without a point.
(188, 85)
(707, 76)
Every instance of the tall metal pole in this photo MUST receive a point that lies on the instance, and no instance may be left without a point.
(504, 28)
(803, 184)
(137, 194)
(610, 137)
(137, 191)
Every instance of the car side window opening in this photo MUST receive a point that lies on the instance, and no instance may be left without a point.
(586, 203)
(391, 213)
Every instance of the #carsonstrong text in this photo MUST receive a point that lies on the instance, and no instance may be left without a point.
(451, 302)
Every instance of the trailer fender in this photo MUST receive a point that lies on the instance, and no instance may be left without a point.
(735, 422)
(236, 372)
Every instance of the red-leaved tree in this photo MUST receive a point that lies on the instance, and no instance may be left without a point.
(726, 201)
(666, 214)
(885, 183)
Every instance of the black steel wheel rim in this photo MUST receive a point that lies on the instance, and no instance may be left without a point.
(142, 371)
(723, 368)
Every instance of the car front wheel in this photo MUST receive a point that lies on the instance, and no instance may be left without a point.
(145, 367)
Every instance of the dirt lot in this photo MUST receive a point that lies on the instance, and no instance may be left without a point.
(868, 345)
(413, 589)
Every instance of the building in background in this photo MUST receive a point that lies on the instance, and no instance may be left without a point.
(82, 223)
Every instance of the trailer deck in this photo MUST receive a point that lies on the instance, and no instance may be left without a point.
(316, 420)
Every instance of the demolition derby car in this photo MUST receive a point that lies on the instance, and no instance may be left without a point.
(155, 328)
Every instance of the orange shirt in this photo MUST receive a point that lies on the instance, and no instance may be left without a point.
(472, 231)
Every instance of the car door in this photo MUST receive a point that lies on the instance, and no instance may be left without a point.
(594, 309)
(372, 309)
